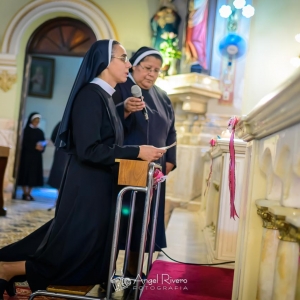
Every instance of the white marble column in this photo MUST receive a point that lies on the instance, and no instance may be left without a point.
(268, 252)
(286, 265)
(286, 270)
(294, 232)
(297, 297)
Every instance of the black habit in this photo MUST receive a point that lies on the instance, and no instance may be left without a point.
(31, 161)
(74, 247)
(158, 131)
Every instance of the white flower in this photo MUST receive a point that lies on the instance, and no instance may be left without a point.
(164, 35)
(225, 11)
(172, 35)
(238, 4)
(248, 11)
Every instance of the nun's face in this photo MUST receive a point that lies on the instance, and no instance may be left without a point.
(146, 72)
(119, 66)
(35, 122)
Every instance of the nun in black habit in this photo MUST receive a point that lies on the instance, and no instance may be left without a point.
(158, 131)
(74, 247)
(31, 161)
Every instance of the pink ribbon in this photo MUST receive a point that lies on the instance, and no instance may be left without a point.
(158, 176)
(212, 143)
(231, 127)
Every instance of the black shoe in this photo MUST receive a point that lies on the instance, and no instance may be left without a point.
(11, 287)
(27, 197)
(3, 285)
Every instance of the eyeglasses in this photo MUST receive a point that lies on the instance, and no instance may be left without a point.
(149, 70)
(124, 59)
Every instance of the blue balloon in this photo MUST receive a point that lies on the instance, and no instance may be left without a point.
(232, 46)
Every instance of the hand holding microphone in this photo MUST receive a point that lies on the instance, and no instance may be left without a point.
(132, 104)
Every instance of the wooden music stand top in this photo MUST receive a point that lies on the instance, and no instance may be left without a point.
(133, 172)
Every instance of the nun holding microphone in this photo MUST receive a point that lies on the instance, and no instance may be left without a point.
(146, 122)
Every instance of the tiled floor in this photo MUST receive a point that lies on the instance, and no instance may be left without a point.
(23, 217)
(184, 231)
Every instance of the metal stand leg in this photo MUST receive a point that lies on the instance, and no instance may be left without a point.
(129, 230)
(144, 231)
(114, 249)
(61, 295)
(153, 229)
(148, 191)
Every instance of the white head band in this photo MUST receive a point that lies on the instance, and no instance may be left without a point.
(36, 116)
(139, 58)
(110, 50)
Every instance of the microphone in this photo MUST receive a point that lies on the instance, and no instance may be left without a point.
(137, 92)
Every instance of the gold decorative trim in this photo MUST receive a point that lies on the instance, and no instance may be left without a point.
(294, 233)
(287, 232)
(7, 80)
(266, 218)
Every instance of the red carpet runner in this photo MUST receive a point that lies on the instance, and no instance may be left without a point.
(168, 280)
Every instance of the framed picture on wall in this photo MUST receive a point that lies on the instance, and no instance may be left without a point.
(41, 77)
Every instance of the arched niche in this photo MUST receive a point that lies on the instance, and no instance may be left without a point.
(83, 10)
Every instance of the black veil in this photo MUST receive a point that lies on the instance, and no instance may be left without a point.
(94, 62)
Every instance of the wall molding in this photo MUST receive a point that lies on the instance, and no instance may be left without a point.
(276, 111)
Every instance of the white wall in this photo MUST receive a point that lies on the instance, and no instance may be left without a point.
(271, 47)
(66, 69)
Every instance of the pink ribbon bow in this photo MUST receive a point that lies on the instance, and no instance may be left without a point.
(158, 176)
(231, 127)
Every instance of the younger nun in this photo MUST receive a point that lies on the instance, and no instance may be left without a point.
(74, 247)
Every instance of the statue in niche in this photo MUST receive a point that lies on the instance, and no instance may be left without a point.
(165, 20)
(195, 44)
